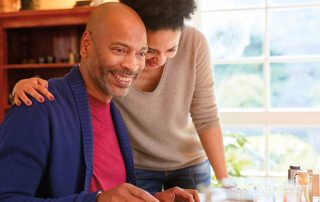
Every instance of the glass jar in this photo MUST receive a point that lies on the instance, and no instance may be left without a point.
(302, 180)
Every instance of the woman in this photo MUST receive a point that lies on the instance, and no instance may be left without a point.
(170, 111)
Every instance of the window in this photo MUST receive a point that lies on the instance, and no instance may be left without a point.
(266, 64)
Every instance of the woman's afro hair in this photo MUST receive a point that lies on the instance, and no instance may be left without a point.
(162, 14)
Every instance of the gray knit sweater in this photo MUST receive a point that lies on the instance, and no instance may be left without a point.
(163, 125)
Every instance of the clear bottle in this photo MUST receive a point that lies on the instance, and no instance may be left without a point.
(302, 180)
(310, 186)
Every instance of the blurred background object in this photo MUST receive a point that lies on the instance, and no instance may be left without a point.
(83, 3)
(60, 4)
(9, 5)
(26, 5)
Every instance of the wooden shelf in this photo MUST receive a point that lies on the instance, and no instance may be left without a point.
(29, 35)
(40, 18)
(38, 66)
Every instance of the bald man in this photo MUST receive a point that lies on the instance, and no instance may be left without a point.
(77, 148)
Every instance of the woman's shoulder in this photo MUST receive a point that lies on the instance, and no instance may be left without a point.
(191, 36)
(191, 32)
(192, 40)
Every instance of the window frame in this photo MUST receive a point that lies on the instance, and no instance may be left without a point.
(265, 117)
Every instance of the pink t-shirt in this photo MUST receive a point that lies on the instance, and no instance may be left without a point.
(108, 165)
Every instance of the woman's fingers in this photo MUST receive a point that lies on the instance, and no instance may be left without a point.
(21, 95)
(35, 87)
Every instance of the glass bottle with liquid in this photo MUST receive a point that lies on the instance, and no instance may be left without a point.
(302, 181)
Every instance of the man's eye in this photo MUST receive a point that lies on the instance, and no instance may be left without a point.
(119, 50)
(141, 54)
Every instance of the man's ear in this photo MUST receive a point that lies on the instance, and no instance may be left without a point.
(85, 44)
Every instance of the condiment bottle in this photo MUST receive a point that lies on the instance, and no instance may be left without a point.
(315, 185)
(310, 186)
(302, 180)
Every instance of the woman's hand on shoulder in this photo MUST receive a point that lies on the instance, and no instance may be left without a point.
(35, 87)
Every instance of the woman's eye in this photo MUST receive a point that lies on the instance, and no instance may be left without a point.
(172, 50)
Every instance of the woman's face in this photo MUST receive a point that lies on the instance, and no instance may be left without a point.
(163, 44)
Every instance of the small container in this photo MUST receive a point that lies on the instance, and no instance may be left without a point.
(41, 60)
(292, 171)
(302, 180)
(315, 185)
(50, 59)
(310, 186)
(71, 57)
(26, 5)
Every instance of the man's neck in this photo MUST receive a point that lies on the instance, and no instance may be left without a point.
(98, 96)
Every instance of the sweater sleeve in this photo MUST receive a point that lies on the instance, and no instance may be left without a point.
(203, 107)
(24, 150)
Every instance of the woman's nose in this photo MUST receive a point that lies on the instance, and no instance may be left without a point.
(160, 59)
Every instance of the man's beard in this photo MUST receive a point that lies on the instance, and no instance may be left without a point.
(100, 74)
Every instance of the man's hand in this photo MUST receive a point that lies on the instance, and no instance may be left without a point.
(35, 87)
(177, 194)
(126, 193)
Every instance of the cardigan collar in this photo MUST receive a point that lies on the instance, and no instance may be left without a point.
(77, 86)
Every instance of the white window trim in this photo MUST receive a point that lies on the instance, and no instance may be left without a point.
(266, 117)
(271, 118)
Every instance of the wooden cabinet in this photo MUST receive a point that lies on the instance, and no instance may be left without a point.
(38, 43)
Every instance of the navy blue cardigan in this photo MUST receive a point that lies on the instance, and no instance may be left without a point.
(46, 149)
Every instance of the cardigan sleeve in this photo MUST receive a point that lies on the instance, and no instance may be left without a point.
(24, 150)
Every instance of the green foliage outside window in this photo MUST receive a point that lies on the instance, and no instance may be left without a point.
(234, 150)
(235, 146)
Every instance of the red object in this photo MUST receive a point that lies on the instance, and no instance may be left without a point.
(108, 165)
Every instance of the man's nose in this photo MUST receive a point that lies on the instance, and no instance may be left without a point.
(130, 61)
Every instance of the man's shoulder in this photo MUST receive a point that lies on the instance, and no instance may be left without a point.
(64, 85)
(55, 82)
(58, 86)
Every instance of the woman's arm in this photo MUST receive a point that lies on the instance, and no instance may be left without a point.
(212, 143)
(35, 87)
